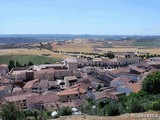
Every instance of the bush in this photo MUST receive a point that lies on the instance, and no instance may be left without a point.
(136, 106)
(65, 111)
(28, 113)
(102, 104)
(113, 110)
(10, 112)
(142, 93)
(98, 87)
(155, 105)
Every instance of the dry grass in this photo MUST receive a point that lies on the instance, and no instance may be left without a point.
(30, 52)
(121, 117)
(74, 47)
(80, 45)
(132, 49)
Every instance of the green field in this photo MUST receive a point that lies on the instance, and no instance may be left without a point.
(146, 44)
(24, 59)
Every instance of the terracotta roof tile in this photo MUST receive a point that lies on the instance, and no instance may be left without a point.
(67, 92)
(23, 96)
(30, 83)
(135, 87)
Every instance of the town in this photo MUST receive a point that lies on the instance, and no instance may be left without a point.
(79, 60)
(73, 81)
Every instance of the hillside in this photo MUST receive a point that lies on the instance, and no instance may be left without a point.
(155, 116)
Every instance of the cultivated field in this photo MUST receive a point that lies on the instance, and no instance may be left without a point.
(77, 46)
(131, 49)
(25, 59)
(85, 46)
(30, 52)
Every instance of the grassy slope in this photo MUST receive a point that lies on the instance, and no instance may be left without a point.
(129, 116)
(24, 59)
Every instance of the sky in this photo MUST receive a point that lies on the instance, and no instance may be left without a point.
(107, 17)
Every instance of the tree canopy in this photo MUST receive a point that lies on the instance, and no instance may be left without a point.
(151, 83)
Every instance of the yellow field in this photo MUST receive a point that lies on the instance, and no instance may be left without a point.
(125, 49)
(30, 52)
(77, 46)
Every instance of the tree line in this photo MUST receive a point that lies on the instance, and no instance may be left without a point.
(13, 64)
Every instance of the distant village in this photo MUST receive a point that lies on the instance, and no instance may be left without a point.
(70, 83)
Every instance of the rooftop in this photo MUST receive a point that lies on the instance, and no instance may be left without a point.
(5, 87)
(135, 87)
(70, 78)
(48, 98)
(29, 84)
(123, 79)
(135, 68)
(44, 83)
(67, 92)
(3, 65)
(20, 97)
(71, 60)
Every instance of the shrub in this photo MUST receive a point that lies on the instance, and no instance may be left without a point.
(113, 110)
(142, 93)
(65, 111)
(155, 105)
(98, 87)
(136, 107)
(10, 112)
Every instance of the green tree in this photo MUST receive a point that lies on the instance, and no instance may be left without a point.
(110, 55)
(127, 56)
(11, 64)
(30, 63)
(65, 111)
(90, 101)
(98, 87)
(35, 114)
(42, 115)
(28, 113)
(151, 83)
(10, 112)
(113, 110)
(155, 105)
(135, 106)
(18, 64)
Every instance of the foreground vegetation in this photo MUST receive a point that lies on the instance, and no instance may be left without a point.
(11, 112)
(148, 98)
(24, 59)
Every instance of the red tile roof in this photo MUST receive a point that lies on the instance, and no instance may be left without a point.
(67, 92)
(135, 87)
(29, 84)
(48, 98)
(3, 65)
(15, 98)
(2, 88)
